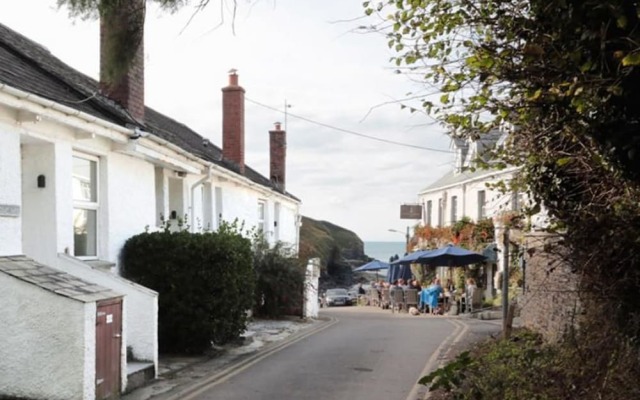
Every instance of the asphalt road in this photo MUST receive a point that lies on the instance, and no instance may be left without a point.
(368, 354)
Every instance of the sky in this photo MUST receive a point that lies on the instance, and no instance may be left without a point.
(307, 54)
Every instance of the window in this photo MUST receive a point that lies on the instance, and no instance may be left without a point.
(262, 213)
(85, 206)
(454, 209)
(440, 211)
(482, 211)
(429, 210)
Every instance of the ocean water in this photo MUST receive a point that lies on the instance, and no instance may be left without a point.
(384, 250)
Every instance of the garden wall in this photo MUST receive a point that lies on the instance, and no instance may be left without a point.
(550, 299)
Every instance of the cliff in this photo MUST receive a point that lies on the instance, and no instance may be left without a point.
(332, 243)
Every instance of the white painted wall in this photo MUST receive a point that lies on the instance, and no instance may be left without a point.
(467, 193)
(64, 205)
(39, 204)
(44, 347)
(311, 304)
(129, 204)
(10, 191)
(140, 308)
(89, 382)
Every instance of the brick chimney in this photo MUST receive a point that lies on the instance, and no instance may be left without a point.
(277, 156)
(233, 121)
(128, 89)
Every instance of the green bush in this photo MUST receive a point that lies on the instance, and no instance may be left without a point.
(279, 280)
(523, 367)
(205, 283)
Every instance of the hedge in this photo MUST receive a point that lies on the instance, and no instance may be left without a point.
(205, 283)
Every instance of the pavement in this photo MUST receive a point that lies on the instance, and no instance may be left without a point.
(180, 377)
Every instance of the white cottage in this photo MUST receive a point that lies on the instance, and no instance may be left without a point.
(85, 165)
(467, 192)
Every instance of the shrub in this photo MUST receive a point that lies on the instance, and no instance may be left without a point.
(523, 367)
(205, 283)
(279, 280)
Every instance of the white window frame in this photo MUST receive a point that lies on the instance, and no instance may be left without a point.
(482, 203)
(89, 205)
(429, 212)
(454, 209)
(262, 217)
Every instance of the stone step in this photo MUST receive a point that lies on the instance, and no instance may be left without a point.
(139, 374)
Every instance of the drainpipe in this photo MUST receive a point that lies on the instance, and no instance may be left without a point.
(193, 188)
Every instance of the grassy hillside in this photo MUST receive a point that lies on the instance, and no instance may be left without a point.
(339, 249)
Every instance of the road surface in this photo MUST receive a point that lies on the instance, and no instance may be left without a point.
(368, 354)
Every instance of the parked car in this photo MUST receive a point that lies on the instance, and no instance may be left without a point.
(337, 297)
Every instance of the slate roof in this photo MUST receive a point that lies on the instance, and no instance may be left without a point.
(54, 280)
(451, 178)
(30, 67)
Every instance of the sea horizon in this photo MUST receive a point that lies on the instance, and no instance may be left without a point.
(383, 250)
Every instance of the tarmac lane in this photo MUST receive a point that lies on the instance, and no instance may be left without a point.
(362, 353)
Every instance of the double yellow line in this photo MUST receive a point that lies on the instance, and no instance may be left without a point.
(196, 389)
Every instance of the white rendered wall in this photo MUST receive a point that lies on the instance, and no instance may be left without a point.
(89, 382)
(311, 305)
(43, 347)
(467, 193)
(10, 192)
(63, 193)
(130, 201)
(39, 204)
(140, 310)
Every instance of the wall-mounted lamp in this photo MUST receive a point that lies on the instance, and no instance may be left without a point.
(41, 181)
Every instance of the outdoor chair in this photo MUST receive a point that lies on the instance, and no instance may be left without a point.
(374, 297)
(385, 301)
(397, 300)
(474, 301)
(410, 298)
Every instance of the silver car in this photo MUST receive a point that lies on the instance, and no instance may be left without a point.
(337, 297)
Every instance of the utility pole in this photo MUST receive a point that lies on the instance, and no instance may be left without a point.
(506, 324)
(408, 237)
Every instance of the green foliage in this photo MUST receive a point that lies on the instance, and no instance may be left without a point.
(279, 279)
(523, 367)
(205, 283)
(562, 77)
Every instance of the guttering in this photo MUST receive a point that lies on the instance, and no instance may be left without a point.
(117, 133)
(231, 176)
(193, 188)
(467, 181)
(27, 101)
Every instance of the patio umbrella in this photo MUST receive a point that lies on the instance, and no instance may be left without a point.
(374, 265)
(450, 256)
(397, 271)
(411, 257)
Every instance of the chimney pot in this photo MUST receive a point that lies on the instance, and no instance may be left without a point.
(233, 121)
(233, 77)
(277, 156)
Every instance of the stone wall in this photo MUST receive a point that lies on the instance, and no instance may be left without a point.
(550, 299)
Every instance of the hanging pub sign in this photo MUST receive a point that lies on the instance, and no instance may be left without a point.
(411, 211)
